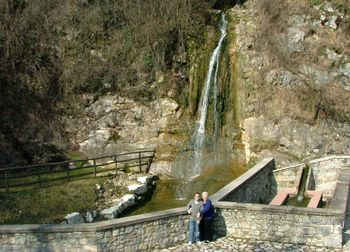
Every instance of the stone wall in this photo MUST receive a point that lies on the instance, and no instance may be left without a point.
(288, 177)
(37, 239)
(255, 186)
(325, 173)
(314, 227)
(143, 232)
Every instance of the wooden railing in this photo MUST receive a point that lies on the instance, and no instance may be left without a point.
(40, 174)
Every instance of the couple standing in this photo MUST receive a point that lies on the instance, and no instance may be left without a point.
(201, 216)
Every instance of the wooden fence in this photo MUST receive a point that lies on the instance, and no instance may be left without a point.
(40, 174)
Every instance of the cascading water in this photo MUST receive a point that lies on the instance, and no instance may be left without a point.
(208, 165)
(191, 164)
(211, 80)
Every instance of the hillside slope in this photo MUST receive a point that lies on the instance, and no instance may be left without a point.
(104, 76)
(54, 53)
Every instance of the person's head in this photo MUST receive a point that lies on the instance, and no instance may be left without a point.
(196, 196)
(204, 196)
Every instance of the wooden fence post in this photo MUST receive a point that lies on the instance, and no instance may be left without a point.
(140, 162)
(7, 182)
(149, 162)
(95, 167)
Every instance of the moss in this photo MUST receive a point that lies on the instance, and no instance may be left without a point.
(315, 2)
(229, 63)
(200, 50)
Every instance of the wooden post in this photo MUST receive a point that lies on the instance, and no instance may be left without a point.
(149, 162)
(140, 162)
(7, 182)
(95, 167)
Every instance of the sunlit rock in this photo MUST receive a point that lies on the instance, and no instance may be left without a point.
(74, 218)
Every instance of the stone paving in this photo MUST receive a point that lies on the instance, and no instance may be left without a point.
(232, 244)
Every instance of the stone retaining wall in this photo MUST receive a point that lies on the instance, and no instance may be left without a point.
(325, 173)
(143, 232)
(289, 177)
(257, 185)
(286, 224)
(314, 227)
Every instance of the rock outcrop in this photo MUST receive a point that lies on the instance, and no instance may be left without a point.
(113, 124)
(293, 78)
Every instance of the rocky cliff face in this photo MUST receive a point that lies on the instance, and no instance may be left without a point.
(284, 76)
(285, 81)
(293, 78)
(114, 124)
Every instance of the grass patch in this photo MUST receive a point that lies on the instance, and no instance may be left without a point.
(315, 2)
(47, 179)
(48, 205)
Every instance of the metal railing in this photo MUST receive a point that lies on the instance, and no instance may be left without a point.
(66, 170)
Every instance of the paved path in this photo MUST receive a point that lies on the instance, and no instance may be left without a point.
(240, 245)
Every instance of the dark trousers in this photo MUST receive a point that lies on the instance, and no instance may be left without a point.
(206, 230)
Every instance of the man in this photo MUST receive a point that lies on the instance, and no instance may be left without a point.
(194, 207)
(207, 215)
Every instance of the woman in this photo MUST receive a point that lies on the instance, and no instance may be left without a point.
(207, 215)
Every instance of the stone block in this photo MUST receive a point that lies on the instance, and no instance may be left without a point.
(333, 242)
(83, 241)
(74, 218)
(325, 230)
(115, 232)
(21, 239)
(100, 235)
(142, 246)
(138, 188)
(110, 213)
(144, 179)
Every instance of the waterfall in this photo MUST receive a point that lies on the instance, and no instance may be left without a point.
(190, 164)
(211, 80)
